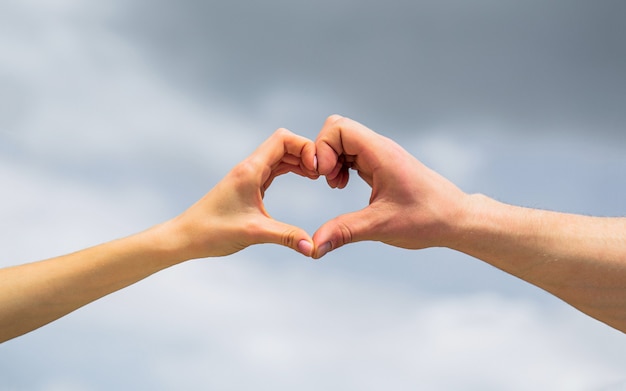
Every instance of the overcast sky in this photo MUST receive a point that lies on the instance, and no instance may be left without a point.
(116, 116)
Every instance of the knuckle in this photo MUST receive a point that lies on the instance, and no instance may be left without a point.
(245, 169)
(333, 118)
(345, 234)
(281, 132)
(288, 238)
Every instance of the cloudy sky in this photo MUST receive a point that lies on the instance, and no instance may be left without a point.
(117, 115)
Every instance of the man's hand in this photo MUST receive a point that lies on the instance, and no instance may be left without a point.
(410, 206)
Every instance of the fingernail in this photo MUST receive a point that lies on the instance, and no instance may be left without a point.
(305, 247)
(315, 162)
(324, 248)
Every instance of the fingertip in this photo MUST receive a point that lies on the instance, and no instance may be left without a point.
(323, 250)
(308, 154)
(322, 240)
(338, 178)
(326, 157)
(344, 229)
(305, 248)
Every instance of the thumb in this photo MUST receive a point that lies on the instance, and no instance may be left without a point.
(287, 235)
(343, 229)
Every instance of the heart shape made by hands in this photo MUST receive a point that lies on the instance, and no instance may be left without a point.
(309, 204)
(409, 205)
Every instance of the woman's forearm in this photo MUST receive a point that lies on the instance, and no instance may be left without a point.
(229, 218)
(38, 293)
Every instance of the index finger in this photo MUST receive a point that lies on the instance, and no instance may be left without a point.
(283, 143)
(343, 136)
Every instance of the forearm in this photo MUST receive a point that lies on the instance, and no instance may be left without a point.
(580, 259)
(227, 219)
(38, 293)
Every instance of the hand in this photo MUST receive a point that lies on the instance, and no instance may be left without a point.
(410, 206)
(232, 216)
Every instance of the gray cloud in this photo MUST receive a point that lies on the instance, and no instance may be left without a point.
(115, 117)
(407, 64)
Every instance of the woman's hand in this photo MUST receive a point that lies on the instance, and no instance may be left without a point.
(232, 216)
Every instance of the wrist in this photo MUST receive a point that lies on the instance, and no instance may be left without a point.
(474, 216)
(166, 242)
(502, 235)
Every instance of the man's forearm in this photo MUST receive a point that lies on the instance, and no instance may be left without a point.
(578, 258)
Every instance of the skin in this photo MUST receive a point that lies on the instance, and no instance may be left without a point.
(580, 259)
(228, 219)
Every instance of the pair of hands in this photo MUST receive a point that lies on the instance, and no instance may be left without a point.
(410, 206)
